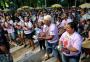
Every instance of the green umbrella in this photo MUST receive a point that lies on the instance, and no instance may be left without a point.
(6, 10)
(86, 16)
(38, 7)
(85, 5)
(19, 9)
(25, 7)
(56, 6)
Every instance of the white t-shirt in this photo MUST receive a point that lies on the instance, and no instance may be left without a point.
(33, 18)
(10, 22)
(74, 40)
(38, 30)
(20, 23)
(53, 30)
(40, 18)
(10, 28)
(65, 22)
(45, 28)
(2, 20)
(29, 25)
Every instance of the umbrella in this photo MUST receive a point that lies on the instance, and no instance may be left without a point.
(73, 6)
(25, 7)
(38, 7)
(56, 6)
(85, 5)
(19, 9)
(6, 10)
(31, 8)
(86, 16)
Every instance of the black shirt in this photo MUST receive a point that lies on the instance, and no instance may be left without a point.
(3, 40)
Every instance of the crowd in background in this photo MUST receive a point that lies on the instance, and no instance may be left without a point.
(49, 27)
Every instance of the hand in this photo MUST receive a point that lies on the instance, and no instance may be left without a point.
(2, 48)
(25, 28)
(42, 34)
(60, 43)
(40, 37)
(65, 50)
(18, 27)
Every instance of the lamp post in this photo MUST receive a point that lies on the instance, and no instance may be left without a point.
(45, 3)
(37, 3)
(4, 4)
(75, 3)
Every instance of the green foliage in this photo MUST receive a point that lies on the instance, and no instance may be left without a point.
(40, 3)
(64, 3)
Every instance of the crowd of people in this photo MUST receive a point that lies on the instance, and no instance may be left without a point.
(58, 31)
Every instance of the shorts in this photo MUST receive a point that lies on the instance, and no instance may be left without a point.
(30, 36)
(19, 32)
(12, 36)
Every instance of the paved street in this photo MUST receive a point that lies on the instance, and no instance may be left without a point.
(21, 54)
(27, 55)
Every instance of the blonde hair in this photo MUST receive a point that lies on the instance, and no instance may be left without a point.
(48, 17)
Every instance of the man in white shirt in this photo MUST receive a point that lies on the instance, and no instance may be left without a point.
(51, 37)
